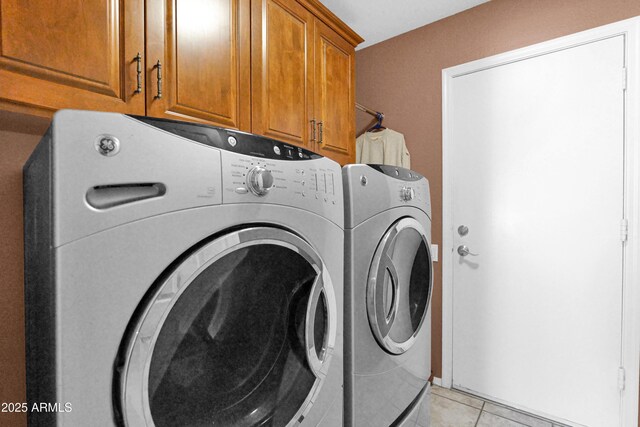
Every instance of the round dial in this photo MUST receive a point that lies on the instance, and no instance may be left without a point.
(407, 193)
(259, 181)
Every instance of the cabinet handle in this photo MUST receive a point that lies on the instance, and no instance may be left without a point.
(138, 60)
(313, 130)
(159, 72)
(320, 132)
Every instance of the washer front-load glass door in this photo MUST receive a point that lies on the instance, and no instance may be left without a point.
(399, 285)
(239, 334)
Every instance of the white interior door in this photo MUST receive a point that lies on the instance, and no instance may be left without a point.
(537, 169)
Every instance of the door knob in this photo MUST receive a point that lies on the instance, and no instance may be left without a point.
(463, 230)
(463, 250)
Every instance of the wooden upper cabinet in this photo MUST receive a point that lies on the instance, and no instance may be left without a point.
(303, 73)
(203, 52)
(282, 74)
(70, 54)
(334, 95)
(279, 68)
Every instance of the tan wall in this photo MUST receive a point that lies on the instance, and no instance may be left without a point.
(18, 137)
(402, 78)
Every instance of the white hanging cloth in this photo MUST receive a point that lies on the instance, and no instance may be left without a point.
(386, 147)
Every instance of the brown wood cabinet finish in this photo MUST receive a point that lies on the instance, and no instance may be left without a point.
(279, 68)
(198, 61)
(334, 95)
(303, 77)
(71, 54)
(282, 77)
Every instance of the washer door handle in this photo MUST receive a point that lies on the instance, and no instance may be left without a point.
(385, 318)
(318, 358)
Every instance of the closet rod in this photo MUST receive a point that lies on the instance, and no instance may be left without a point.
(369, 110)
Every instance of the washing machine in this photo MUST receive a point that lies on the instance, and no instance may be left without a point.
(388, 285)
(181, 275)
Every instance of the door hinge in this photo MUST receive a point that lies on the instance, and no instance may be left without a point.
(624, 79)
(624, 229)
(621, 378)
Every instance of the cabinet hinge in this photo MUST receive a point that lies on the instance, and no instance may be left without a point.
(624, 229)
(624, 79)
(621, 378)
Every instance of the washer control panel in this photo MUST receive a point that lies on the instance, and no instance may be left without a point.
(259, 180)
(314, 185)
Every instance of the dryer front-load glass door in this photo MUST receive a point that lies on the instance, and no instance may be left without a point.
(240, 333)
(399, 285)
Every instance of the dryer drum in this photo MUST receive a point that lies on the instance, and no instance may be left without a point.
(399, 285)
(240, 333)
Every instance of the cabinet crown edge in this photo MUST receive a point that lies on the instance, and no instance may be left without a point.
(329, 18)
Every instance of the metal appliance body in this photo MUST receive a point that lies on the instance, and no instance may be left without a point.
(181, 274)
(388, 284)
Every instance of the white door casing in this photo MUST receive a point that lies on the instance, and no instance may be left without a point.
(540, 145)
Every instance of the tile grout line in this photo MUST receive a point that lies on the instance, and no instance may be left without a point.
(524, 413)
(484, 402)
(480, 414)
(508, 419)
(462, 403)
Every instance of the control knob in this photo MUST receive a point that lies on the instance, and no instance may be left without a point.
(259, 181)
(407, 193)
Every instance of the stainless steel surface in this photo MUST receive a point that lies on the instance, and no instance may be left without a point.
(380, 321)
(463, 250)
(378, 378)
(318, 359)
(95, 302)
(107, 145)
(381, 192)
(407, 193)
(159, 78)
(135, 385)
(463, 230)
(138, 60)
(106, 197)
(204, 175)
(380, 384)
(259, 181)
(312, 185)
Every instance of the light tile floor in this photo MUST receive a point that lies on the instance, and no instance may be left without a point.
(450, 408)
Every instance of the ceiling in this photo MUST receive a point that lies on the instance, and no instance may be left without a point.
(378, 20)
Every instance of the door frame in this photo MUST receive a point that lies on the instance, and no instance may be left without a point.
(630, 29)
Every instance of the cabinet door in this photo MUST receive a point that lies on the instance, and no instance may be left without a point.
(282, 71)
(334, 95)
(70, 54)
(203, 50)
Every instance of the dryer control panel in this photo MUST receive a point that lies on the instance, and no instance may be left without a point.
(371, 189)
(314, 185)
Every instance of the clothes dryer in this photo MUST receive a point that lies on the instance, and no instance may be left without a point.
(181, 274)
(388, 285)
